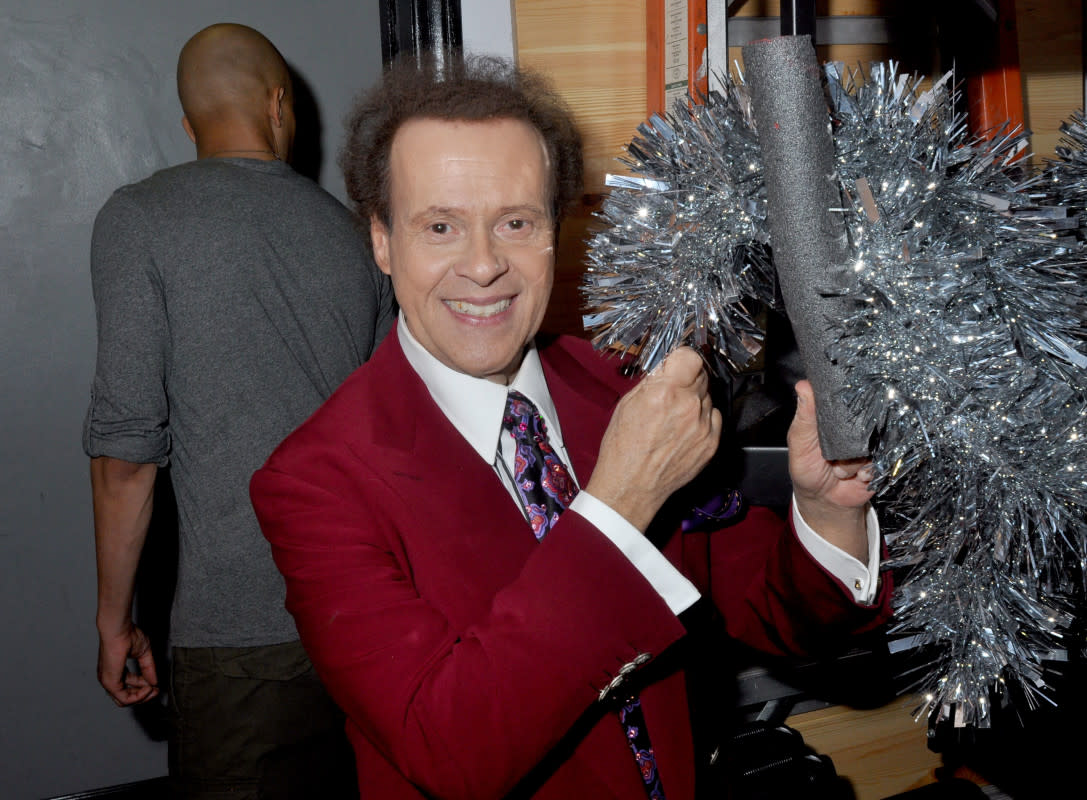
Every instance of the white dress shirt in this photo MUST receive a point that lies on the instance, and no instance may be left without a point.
(476, 406)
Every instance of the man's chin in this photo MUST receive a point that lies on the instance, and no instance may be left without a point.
(495, 370)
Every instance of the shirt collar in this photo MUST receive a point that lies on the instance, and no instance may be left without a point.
(475, 406)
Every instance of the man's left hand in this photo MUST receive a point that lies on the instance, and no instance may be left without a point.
(125, 686)
(832, 496)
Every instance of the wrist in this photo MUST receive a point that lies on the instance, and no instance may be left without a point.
(113, 624)
(631, 506)
(846, 527)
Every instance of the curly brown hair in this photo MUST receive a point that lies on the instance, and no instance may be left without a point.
(455, 88)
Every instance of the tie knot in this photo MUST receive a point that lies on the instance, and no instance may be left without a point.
(522, 418)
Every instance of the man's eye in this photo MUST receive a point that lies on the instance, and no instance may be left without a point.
(439, 227)
(519, 225)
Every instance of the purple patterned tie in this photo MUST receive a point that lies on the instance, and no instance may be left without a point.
(546, 490)
(543, 482)
(633, 721)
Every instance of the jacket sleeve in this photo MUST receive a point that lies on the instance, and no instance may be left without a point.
(462, 711)
(772, 594)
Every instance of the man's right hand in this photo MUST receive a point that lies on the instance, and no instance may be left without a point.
(124, 686)
(663, 432)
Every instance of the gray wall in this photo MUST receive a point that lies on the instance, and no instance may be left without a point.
(87, 103)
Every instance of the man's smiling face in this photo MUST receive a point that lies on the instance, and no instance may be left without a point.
(470, 244)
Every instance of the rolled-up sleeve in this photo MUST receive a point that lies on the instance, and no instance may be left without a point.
(128, 413)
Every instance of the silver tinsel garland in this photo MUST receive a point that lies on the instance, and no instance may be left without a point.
(685, 251)
(966, 354)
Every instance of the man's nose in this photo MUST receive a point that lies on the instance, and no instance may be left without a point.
(484, 261)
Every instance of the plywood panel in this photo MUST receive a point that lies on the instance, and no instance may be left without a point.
(881, 751)
(1050, 61)
(595, 53)
(823, 8)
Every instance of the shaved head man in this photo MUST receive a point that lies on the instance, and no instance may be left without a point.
(235, 90)
(233, 295)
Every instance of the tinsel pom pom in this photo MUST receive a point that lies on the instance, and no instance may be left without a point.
(684, 250)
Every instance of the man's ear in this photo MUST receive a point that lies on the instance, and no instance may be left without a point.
(188, 129)
(275, 105)
(379, 239)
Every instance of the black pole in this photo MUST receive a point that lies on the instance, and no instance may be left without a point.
(416, 26)
(798, 18)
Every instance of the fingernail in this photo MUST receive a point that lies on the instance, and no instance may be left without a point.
(840, 472)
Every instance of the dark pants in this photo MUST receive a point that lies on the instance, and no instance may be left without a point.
(255, 723)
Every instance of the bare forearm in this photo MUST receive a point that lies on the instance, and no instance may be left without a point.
(123, 493)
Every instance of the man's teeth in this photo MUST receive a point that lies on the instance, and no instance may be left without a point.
(464, 307)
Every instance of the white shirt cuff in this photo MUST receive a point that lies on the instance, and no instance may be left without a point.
(861, 580)
(678, 592)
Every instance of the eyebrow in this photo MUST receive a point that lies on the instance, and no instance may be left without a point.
(432, 211)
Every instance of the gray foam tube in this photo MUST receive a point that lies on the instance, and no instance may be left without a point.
(808, 238)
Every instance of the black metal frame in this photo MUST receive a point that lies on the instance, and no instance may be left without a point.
(416, 26)
(798, 18)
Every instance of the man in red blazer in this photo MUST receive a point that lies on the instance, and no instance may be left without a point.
(473, 659)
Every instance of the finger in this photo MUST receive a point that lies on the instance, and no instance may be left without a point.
(805, 402)
(682, 367)
(860, 468)
(707, 406)
(120, 694)
(136, 681)
(701, 384)
(804, 431)
(716, 423)
(140, 694)
(147, 667)
(115, 690)
(130, 695)
(137, 686)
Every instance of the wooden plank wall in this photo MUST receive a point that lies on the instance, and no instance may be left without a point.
(1050, 37)
(881, 752)
(595, 53)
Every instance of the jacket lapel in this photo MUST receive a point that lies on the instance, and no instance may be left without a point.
(440, 477)
(584, 404)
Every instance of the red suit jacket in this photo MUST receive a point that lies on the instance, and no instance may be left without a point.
(462, 650)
